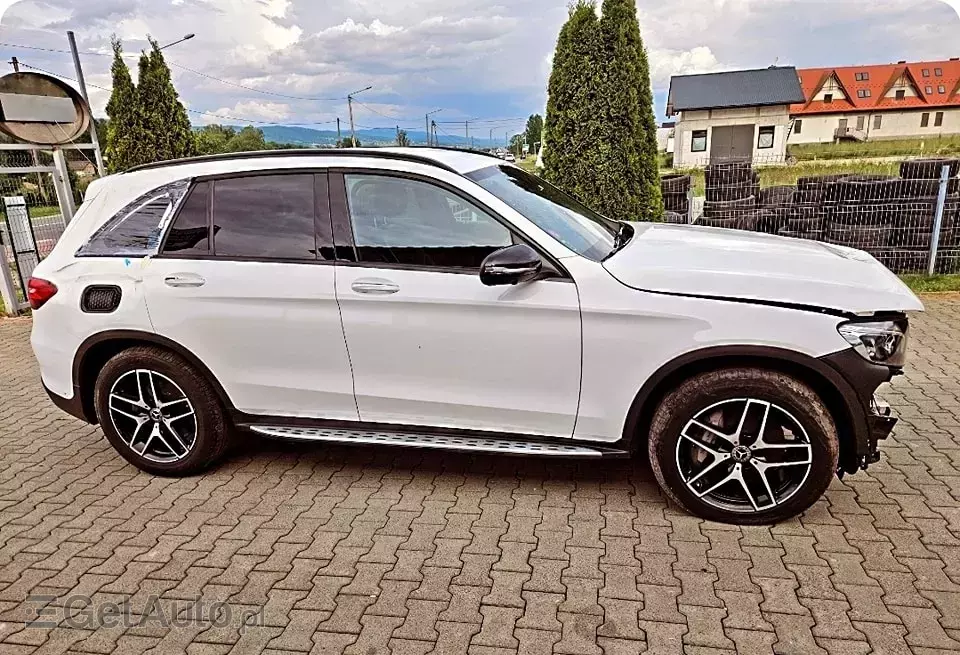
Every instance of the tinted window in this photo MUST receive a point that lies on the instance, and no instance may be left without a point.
(135, 230)
(189, 234)
(566, 219)
(402, 221)
(265, 216)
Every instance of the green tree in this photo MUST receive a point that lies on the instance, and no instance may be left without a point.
(164, 120)
(402, 139)
(629, 174)
(212, 139)
(516, 144)
(124, 137)
(573, 125)
(534, 132)
(246, 140)
(347, 142)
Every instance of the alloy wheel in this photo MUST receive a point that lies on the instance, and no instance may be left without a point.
(744, 455)
(153, 416)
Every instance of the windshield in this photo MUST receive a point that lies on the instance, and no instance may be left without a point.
(566, 219)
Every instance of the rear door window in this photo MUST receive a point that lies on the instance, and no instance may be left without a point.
(190, 232)
(265, 217)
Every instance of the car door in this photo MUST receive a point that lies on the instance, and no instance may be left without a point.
(245, 281)
(430, 345)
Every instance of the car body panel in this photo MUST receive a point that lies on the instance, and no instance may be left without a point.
(629, 335)
(447, 351)
(721, 263)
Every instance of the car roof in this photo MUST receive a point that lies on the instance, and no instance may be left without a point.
(454, 160)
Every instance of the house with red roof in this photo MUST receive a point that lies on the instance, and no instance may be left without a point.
(887, 101)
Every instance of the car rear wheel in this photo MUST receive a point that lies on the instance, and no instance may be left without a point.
(159, 413)
(743, 445)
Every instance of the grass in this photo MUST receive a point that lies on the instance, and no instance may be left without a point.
(932, 283)
(45, 210)
(935, 146)
(529, 164)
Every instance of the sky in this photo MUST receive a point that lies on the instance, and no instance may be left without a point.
(294, 61)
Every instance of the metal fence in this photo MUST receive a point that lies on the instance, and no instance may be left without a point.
(36, 203)
(904, 213)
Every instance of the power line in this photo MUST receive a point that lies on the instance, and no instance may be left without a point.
(192, 111)
(186, 68)
(254, 89)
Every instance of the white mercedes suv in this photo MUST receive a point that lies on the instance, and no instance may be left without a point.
(446, 299)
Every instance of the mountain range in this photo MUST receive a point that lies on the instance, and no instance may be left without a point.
(380, 136)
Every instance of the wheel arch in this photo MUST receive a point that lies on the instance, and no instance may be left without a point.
(836, 393)
(97, 350)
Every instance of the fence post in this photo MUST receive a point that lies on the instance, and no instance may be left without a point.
(11, 303)
(62, 185)
(938, 219)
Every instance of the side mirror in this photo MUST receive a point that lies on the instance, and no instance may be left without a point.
(510, 265)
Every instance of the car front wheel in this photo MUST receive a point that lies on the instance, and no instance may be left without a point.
(743, 445)
(159, 413)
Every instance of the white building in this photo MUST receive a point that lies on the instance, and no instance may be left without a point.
(733, 115)
(890, 101)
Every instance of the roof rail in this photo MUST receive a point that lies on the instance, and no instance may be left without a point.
(298, 152)
(472, 151)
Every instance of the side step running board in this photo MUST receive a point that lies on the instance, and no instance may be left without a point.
(440, 441)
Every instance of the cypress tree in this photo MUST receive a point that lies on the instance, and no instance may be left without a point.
(163, 117)
(630, 178)
(571, 152)
(124, 134)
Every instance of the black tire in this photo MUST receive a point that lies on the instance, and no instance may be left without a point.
(777, 196)
(862, 238)
(806, 224)
(675, 183)
(928, 169)
(676, 202)
(862, 215)
(212, 435)
(703, 391)
(728, 192)
(867, 188)
(811, 195)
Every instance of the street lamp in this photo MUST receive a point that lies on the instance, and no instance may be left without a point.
(427, 123)
(353, 136)
(186, 37)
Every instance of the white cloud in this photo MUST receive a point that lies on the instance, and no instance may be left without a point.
(253, 109)
(666, 63)
(472, 58)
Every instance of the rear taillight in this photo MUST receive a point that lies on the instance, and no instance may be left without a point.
(39, 291)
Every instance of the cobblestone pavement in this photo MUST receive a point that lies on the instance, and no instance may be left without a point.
(296, 549)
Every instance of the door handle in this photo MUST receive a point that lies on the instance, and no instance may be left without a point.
(184, 280)
(374, 286)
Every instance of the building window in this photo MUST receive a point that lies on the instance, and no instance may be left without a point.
(863, 93)
(926, 72)
(699, 141)
(797, 126)
(765, 137)
(938, 119)
(925, 120)
(941, 89)
(861, 122)
(938, 72)
(901, 94)
(862, 77)
(828, 98)
(876, 122)
(929, 90)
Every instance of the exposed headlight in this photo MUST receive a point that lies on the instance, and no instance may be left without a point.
(881, 342)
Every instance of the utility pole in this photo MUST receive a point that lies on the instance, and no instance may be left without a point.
(353, 132)
(339, 140)
(426, 118)
(16, 64)
(398, 135)
(466, 129)
(433, 127)
(83, 91)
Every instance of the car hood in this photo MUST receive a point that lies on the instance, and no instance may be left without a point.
(750, 266)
